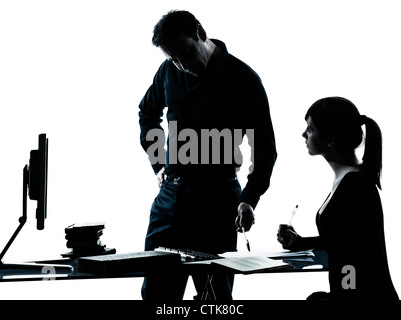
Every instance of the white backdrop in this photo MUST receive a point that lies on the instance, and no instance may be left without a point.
(77, 71)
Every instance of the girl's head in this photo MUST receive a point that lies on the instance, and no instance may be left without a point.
(338, 118)
(339, 122)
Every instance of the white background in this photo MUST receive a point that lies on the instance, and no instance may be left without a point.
(77, 70)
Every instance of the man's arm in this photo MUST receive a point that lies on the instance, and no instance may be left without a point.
(150, 117)
(263, 148)
(263, 153)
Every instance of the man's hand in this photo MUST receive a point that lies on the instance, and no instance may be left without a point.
(245, 218)
(160, 177)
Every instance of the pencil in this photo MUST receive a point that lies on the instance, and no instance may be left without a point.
(292, 215)
(246, 239)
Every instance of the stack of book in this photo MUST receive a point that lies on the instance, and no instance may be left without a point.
(84, 240)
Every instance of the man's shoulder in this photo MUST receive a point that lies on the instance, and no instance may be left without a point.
(241, 68)
(164, 67)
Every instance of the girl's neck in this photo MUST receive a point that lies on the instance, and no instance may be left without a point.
(342, 166)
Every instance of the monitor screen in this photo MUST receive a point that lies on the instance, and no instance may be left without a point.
(38, 179)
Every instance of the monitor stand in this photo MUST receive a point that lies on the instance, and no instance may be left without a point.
(22, 220)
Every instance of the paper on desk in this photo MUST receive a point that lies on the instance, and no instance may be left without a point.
(291, 254)
(250, 263)
(269, 254)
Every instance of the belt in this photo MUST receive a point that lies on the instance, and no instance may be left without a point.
(179, 180)
(171, 179)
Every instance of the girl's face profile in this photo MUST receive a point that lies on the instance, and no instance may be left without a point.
(314, 142)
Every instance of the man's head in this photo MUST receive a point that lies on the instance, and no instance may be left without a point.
(183, 40)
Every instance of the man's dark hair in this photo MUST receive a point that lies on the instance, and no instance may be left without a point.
(173, 23)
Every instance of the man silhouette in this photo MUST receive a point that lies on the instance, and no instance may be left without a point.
(201, 205)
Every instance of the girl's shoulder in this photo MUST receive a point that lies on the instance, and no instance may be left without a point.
(358, 182)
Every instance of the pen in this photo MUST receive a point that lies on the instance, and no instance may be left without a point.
(247, 242)
(292, 215)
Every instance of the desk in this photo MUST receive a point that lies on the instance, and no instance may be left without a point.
(311, 264)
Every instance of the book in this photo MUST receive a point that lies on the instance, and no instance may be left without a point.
(84, 228)
(84, 240)
(77, 253)
(83, 243)
(132, 262)
(84, 236)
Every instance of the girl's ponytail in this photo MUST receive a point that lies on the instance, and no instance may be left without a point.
(372, 157)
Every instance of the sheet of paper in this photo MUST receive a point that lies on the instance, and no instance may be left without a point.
(269, 254)
(250, 264)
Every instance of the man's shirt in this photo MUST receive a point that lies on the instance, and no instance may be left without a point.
(227, 101)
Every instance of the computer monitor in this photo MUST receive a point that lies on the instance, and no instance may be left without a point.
(37, 181)
(34, 183)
